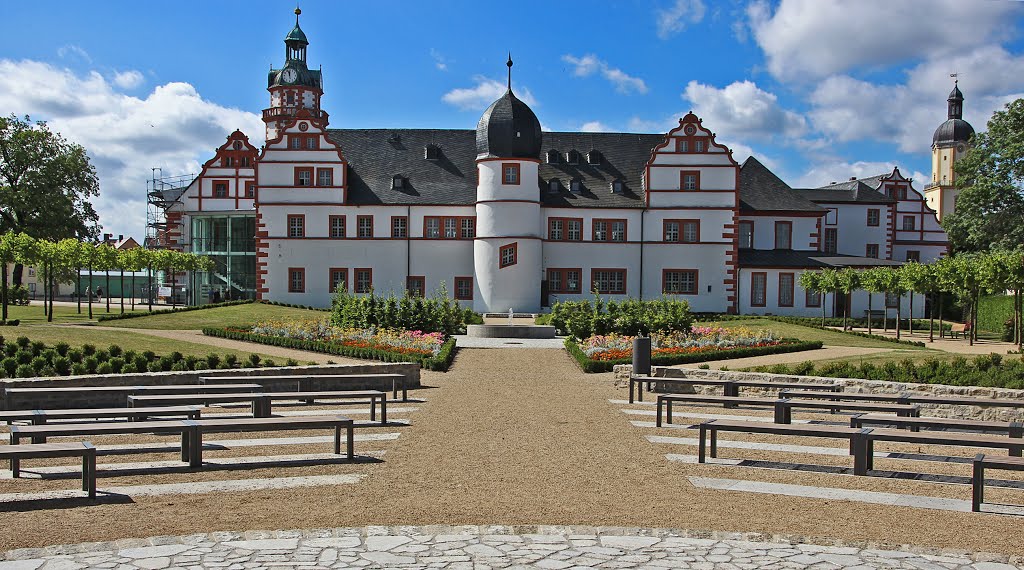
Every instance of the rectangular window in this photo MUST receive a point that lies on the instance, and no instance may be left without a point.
(679, 281)
(783, 235)
(670, 231)
(364, 226)
(564, 280)
(609, 281)
(891, 300)
(746, 235)
(691, 231)
(913, 255)
(415, 286)
(909, 223)
(450, 228)
(303, 176)
(399, 227)
(220, 189)
(296, 280)
(698, 146)
(831, 240)
(786, 282)
(508, 254)
(364, 280)
(681, 231)
(565, 229)
(296, 225)
(457, 227)
(758, 287)
(556, 227)
(432, 227)
(682, 145)
(312, 143)
(468, 228)
(250, 189)
(325, 177)
(871, 250)
(336, 226)
(338, 280)
(812, 298)
(510, 173)
(689, 180)
(464, 288)
(874, 216)
(609, 230)
(574, 230)
(294, 142)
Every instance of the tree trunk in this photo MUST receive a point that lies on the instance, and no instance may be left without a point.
(899, 313)
(931, 317)
(88, 292)
(79, 290)
(122, 291)
(942, 332)
(823, 303)
(910, 321)
(45, 306)
(108, 290)
(133, 291)
(970, 322)
(174, 300)
(4, 294)
(53, 285)
(870, 295)
(149, 271)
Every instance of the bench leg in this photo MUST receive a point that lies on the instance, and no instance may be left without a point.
(657, 421)
(869, 454)
(383, 410)
(668, 412)
(732, 390)
(1015, 451)
(640, 391)
(783, 415)
(195, 449)
(373, 408)
(714, 442)
(350, 446)
(631, 385)
(185, 444)
(337, 440)
(859, 449)
(702, 446)
(977, 486)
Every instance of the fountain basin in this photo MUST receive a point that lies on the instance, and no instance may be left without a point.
(510, 331)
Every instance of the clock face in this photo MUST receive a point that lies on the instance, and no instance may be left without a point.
(289, 75)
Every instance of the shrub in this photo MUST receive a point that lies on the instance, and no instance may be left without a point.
(176, 356)
(78, 369)
(180, 366)
(22, 341)
(114, 350)
(91, 363)
(129, 368)
(231, 360)
(37, 347)
(88, 349)
(25, 371)
(38, 363)
(24, 357)
(104, 368)
(141, 363)
(155, 366)
(75, 355)
(62, 348)
(291, 362)
(116, 364)
(632, 317)
(165, 363)
(437, 313)
(254, 361)
(62, 365)
(47, 372)
(212, 360)
(149, 354)
(11, 349)
(101, 355)
(269, 363)
(9, 365)
(49, 354)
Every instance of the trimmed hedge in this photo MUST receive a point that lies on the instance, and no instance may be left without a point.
(184, 309)
(994, 311)
(590, 366)
(440, 363)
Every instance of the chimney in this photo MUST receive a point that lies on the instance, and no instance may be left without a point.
(853, 178)
(120, 238)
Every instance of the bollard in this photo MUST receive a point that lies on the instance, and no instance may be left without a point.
(642, 356)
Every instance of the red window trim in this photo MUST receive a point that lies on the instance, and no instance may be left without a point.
(564, 280)
(440, 226)
(625, 284)
(330, 278)
(878, 219)
(752, 276)
(316, 181)
(664, 281)
(422, 282)
(682, 222)
(330, 226)
(406, 218)
(792, 289)
(310, 170)
(288, 225)
(739, 232)
(250, 184)
(358, 225)
(301, 271)
(355, 279)
(783, 223)
(515, 254)
(469, 281)
(824, 239)
(682, 180)
(609, 221)
(227, 189)
(867, 250)
(518, 171)
(565, 228)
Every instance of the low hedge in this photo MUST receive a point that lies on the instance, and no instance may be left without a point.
(441, 363)
(591, 366)
(184, 309)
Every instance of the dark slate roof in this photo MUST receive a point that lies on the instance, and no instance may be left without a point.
(508, 129)
(953, 131)
(849, 191)
(762, 190)
(806, 259)
(376, 155)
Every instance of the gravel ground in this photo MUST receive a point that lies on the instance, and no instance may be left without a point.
(521, 437)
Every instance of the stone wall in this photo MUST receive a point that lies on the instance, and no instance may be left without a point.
(410, 370)
(622, 372)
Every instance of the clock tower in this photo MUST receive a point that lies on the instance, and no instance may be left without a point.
(294, 88)
(949, 143)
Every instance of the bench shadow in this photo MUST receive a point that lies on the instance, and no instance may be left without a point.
(64, 503)
(901, 475)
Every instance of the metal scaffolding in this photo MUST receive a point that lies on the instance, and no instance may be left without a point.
(161, 192)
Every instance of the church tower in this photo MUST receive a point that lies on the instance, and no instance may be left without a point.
(294, 87)
(507, 250)
(949, 143)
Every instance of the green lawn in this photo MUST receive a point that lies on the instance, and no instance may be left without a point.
(234, 315)
(827, 337)
(33, 314)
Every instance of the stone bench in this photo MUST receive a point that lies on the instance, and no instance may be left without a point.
(374, 396)
(260, 402)
(41, 417)
(83, 449)
(312, 382)
(667, 400)
(233, 425)
(982, 462)
(1013, 445)
(1012, 429)
(42, 432)
(71, 392)
(784, 408)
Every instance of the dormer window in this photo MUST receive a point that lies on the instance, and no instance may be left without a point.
(618, 187)
(431, 152)
(682, 145)
(397, 182)
(572, 157)
(698, 146)
(593, 157)
(576, 186)
(554, 185)
(552, 156)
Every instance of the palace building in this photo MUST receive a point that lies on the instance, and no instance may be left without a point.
(507, 216)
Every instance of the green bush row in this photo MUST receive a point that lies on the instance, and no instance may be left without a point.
(988, 370)
(994, 311)
(633, 317)
(433, 314)
(184, 309)
(588, 365)
(440, 363)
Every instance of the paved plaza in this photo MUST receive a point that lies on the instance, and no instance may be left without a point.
(483, 547)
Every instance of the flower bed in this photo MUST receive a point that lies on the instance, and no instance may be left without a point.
(601, 353)
(431, 350)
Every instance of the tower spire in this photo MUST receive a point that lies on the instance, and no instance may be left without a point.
(509, 64)
(297, 12)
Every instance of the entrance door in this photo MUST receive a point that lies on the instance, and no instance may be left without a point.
(545, 298)
(841, 303)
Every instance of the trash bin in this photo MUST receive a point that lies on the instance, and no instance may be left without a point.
(642, 356)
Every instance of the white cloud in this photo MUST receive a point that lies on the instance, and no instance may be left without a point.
(485, 92)
(73, 52)
(595, 127)
(743, 110)
(128, 79)
(439, 60)
(590, 64)
(171, 127)
(675, 18)
(809, 39)
(827, 172)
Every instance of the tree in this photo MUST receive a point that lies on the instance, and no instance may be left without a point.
(892, 282)
(812, 281)
(847, 281)
(991, 175)
(106, 259)
(135, 260)
(11, 247)
(916, 279)
(871, 280)
(45, 184)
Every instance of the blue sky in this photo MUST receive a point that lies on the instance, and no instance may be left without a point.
(819, 90)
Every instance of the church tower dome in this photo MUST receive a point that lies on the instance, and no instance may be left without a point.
(949, 143)
(294, 88)
(508, 128)
(955, 129)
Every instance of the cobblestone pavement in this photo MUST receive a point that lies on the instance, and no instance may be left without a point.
(484, 547)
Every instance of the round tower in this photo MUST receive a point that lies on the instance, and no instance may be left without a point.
(507, 260)
(949, 143)
(294, 87)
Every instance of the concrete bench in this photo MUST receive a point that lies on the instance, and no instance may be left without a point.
(959, 439)
(233, 425)
(982, 462)
(305, 382)
(910, 398)
(729, 387)
(1012, 429)
(667, 400)
(260, 402)
(83, 449)
(12, 394)
(42, 432)
(787, 386)
(374, 396)
(848, 396)
(642, 382)
(784, 408)
(39, 417)
(858, 449)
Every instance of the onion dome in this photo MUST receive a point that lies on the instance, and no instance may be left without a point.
(508, 128)
(297, 35)
(955, 129)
